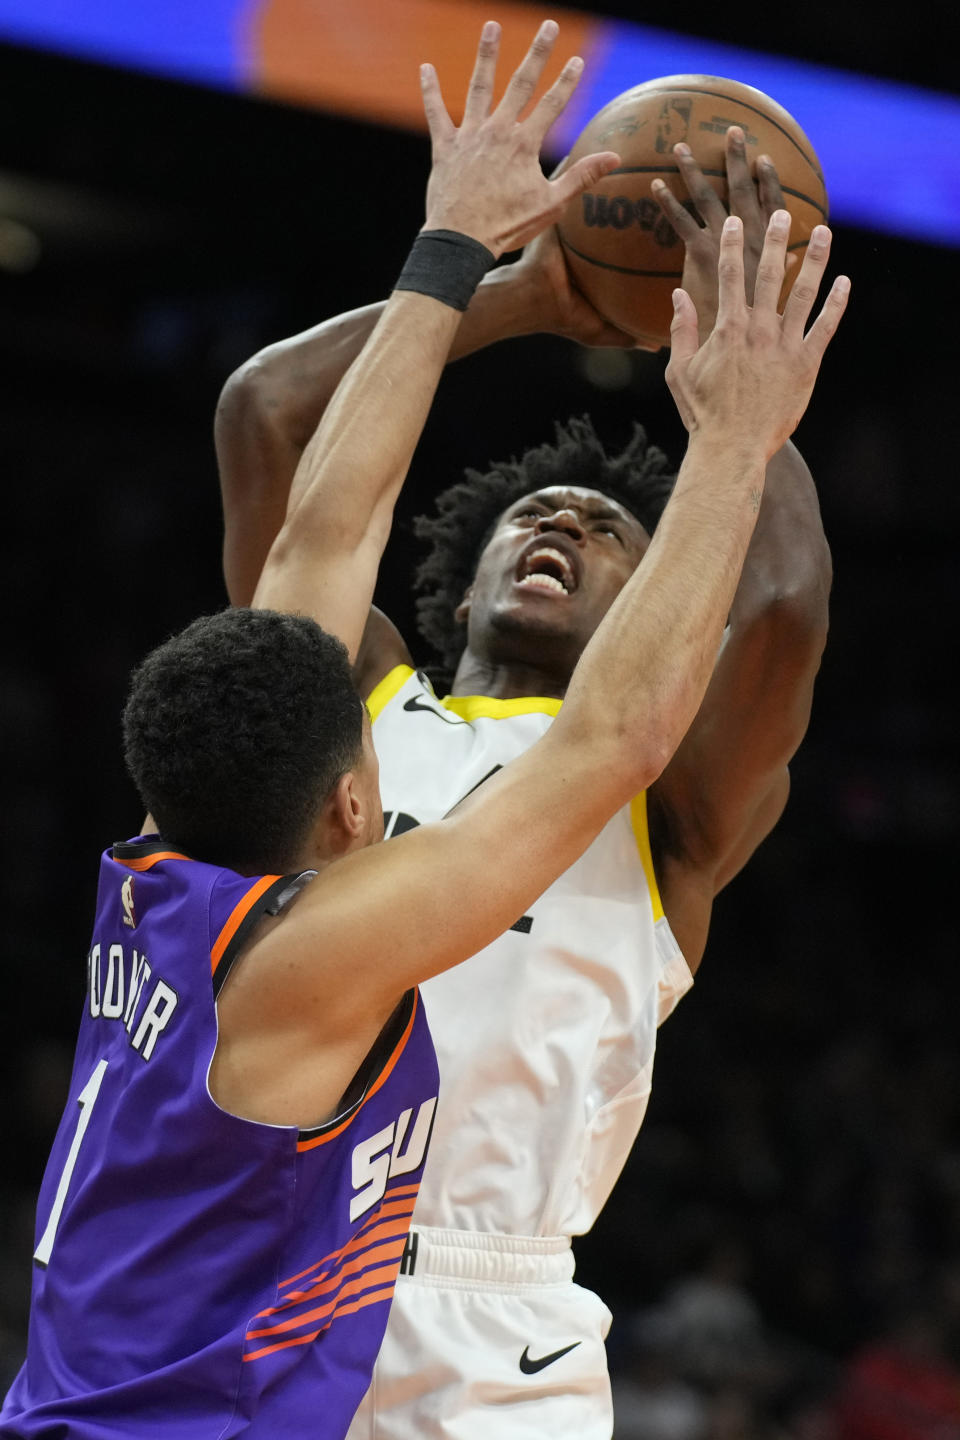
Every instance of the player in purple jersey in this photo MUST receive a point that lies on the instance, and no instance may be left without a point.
(198, 1274)
(224, 1210)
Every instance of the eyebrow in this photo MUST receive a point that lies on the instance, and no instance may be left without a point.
(593, 509)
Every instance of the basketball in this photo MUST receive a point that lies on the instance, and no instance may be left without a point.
(622, 252)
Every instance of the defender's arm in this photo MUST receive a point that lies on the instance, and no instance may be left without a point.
(485, 184)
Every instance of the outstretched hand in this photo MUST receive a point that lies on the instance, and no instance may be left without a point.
(486, 179)
(749, 383)
(754, 200)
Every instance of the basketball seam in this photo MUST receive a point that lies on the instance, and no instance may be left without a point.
(719, 174)
(628, 270)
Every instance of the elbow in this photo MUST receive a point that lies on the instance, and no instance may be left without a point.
(637, 755)
(792, 616)
(247, 397)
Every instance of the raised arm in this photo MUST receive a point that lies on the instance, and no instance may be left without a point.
(486, 184)
(727, 785)
(270, 407)
(319, 986)
(641, 678)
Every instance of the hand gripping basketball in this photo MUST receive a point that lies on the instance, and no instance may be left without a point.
(753, 200)
(749, 383)
(486, 179)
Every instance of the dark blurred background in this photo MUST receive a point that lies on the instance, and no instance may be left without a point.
(787, 1231)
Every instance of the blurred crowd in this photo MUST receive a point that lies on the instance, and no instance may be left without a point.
(792, 1209)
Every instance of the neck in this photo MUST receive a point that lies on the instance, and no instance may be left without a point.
(507, 681)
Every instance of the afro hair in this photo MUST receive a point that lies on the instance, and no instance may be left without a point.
(639, 478)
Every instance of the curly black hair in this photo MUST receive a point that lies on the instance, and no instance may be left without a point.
(236, 730)
(640, 478)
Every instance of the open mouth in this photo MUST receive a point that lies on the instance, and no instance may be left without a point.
(546, 568)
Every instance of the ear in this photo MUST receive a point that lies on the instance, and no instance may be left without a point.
(347, 813)
(462, 612)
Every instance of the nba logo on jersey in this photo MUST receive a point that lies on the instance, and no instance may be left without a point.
(126, 899)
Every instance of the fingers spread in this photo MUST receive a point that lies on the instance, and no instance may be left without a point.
(709, 205)
(554, 102)
(480, 93)
(732, 304)
(526, 77)
(740, 186)
(586, 172)
(770, 270)
(824, 327)
(805, 288)
(680, 218)
(684, 344)
(769, 187)
(439, 124)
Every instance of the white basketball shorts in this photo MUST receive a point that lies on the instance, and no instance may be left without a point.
(489, 1339)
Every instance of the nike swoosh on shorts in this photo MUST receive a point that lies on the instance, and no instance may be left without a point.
(531, 1367)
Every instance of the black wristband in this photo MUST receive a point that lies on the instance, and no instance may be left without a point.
(447, 265)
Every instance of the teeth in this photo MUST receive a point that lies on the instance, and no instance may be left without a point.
(543, 582)
(555, 557)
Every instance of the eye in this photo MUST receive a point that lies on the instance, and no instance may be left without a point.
(530, 513)
(603, 528)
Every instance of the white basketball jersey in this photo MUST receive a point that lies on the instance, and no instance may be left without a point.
(546, 1038)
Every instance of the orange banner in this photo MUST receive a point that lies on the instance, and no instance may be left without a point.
(363, 57)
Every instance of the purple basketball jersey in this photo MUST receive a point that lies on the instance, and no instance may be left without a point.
(198, 1275)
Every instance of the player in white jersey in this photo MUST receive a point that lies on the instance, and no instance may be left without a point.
(546, 1040)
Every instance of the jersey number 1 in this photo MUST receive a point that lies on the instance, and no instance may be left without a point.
(85, 1100)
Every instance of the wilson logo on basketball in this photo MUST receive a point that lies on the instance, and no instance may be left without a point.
(619, 211)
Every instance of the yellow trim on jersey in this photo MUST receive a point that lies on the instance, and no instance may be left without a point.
(638, 819)
(468, 707)
(473, 707)
(382, 693)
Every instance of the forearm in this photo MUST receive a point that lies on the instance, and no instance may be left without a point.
(325, 559)
(643, 675)
(270, 407)
(355, 462)
(265, 416)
